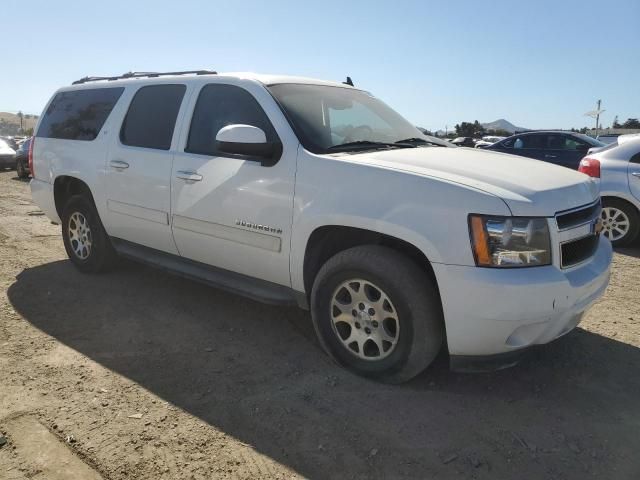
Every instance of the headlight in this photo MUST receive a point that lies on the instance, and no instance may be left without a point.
(510, 241)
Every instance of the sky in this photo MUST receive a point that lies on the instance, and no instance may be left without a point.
(539, 64)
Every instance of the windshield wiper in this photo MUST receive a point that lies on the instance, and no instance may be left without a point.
(414, 140)
(367, 145)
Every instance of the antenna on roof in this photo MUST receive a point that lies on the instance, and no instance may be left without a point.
(349, 81)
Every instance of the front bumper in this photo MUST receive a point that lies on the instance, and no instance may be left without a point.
(493, 311)
(7, 161)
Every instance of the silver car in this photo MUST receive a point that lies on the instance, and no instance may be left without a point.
(618, 167)
(7, 155)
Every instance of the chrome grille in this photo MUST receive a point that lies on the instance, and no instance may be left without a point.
(580, 216)
(579, 234)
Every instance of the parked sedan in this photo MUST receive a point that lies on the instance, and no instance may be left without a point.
(488, 140)
(463, 142)
(558, 147)
(608, 138)
(22, 159)
(618, 168)
(7, 155)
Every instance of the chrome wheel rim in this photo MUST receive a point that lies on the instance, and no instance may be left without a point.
(615, 223)
(80, 236)
(364, 320)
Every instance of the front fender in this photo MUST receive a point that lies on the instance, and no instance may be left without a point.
(427, 212)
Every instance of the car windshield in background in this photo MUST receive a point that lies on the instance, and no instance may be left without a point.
(590, 140)
(332, 119)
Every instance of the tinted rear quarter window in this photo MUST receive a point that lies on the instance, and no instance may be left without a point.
(78, 114)
(220, 105)
(151, 118)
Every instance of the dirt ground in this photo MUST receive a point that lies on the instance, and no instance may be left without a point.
(228, 388)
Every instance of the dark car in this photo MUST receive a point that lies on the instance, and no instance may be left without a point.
(463, 142)
(22, 159)
(562, 148)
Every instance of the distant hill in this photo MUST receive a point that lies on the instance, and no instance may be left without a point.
(10, 123)
(503, 124)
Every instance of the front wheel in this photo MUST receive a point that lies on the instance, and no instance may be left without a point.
(621, 222)
(377, 314)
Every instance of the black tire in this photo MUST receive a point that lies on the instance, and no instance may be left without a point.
(413, 295)
(21, 171)
(634, 220)
(100, 256)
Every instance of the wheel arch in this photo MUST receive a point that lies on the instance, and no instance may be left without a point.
(326, 241)
(622, 198)
(66, 186)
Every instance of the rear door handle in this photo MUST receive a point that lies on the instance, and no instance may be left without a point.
(550, 156)
(119, 164)
(188, 176)
(636, 174)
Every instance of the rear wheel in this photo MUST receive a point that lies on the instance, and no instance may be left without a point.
(85, 240)
(377, 314)
(621, 222)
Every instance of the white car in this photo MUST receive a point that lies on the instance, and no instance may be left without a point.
(488, 140)
(7, 155)
(617, 167)
(297, 191)
(607, 139)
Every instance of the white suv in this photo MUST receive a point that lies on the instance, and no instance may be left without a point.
(292, 190)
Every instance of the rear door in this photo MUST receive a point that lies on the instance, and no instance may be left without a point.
(138, 167)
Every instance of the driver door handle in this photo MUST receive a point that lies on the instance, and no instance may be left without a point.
(188, 176)
(118, 164)
(636, 174)
(550, 156)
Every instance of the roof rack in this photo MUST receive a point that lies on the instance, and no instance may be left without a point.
(143, 75)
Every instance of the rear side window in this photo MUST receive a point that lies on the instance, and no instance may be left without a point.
(152, 115)
(219, 106)
(565, 142)
(78, 114)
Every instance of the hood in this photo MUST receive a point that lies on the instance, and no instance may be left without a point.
(529, 187)
(7, 150)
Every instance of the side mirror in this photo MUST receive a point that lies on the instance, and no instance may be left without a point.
(248, 141)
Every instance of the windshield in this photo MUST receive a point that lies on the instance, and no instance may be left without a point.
(590, 140)
(326, 117)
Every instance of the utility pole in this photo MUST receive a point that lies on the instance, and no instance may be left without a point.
(596, 114)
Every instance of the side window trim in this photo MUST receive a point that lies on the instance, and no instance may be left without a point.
(176, 125)
(183, 145)
(46, 117)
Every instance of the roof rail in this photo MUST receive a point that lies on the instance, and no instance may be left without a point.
(143, 75)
